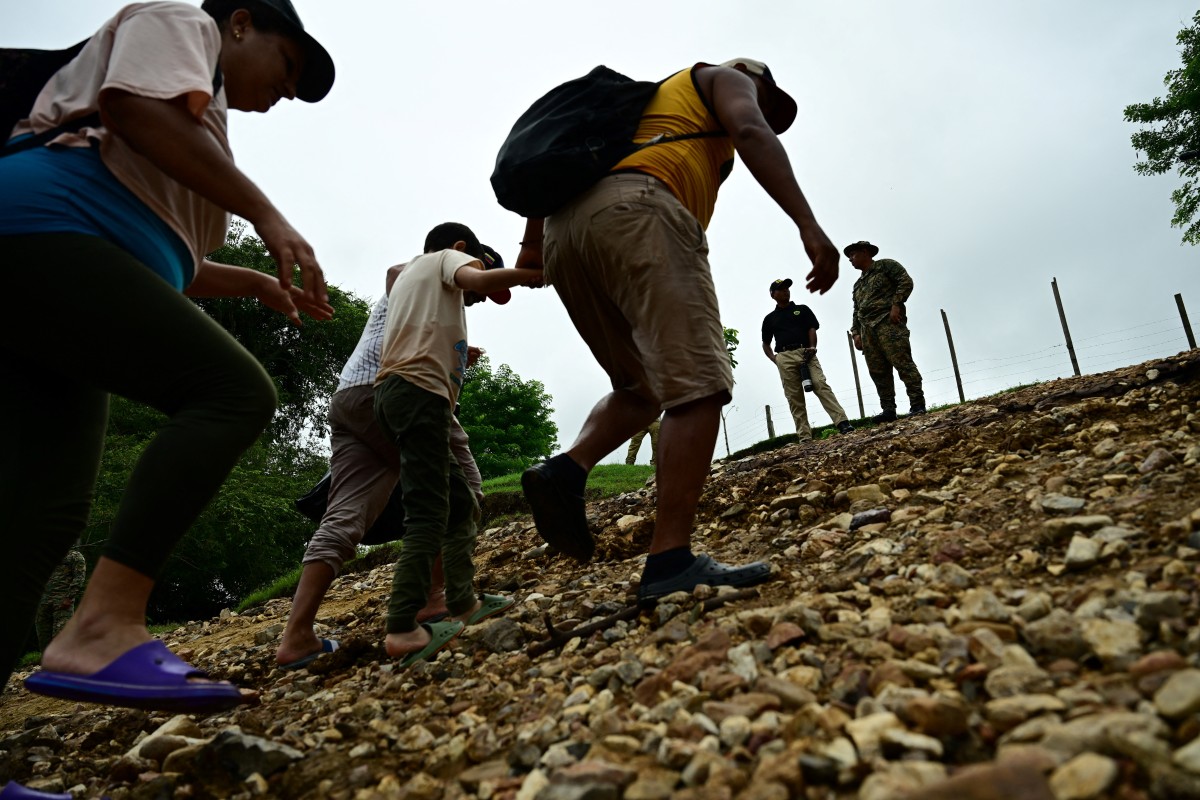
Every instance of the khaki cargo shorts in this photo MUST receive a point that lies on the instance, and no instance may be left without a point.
(631, 266)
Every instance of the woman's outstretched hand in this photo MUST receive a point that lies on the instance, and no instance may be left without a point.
(291, 250)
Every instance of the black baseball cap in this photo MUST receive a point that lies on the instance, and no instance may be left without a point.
(780, 283)
(492, 260)
(317, 78)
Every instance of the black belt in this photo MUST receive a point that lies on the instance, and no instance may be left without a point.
(783, 348)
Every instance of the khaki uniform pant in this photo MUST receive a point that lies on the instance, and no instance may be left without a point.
(788, 363)
(635, 443)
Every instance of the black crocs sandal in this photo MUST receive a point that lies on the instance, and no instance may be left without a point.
(707, 570)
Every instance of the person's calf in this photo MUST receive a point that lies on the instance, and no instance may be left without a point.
(616, 418)
(686, 442)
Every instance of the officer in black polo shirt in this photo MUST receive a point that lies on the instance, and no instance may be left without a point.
(794, 329)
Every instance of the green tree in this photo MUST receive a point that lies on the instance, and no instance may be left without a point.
(247, 536)
(731, 344)
(507, 419)
(304, 361)
(1173, 131)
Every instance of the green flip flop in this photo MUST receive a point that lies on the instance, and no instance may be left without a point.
(489, 606)
(440, 635)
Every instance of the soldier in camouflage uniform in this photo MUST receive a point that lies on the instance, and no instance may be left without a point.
(880, 329)
(58, 601)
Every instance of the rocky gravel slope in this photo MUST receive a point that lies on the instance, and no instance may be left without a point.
(997, 600)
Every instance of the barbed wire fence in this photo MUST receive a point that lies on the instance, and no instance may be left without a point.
(743, 426)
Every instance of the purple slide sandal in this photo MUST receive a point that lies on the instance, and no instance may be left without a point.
(15, 791)
(149, 676)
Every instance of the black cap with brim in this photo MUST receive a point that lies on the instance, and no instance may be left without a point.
(782, 283)
(317, 77)
(492, 260)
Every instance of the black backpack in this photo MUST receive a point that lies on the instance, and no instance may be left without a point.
(571, 138)
(387, 528)
(23, 74)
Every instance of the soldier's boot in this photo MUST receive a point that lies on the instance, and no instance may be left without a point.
(888, 415)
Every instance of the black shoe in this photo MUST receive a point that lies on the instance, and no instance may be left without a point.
(558, 513)
(705, 570)
(845, 427)
(888, 415)
(915, 410)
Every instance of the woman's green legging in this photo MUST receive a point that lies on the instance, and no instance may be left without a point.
(85, 320)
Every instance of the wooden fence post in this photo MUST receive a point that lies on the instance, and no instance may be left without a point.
(953, 357)
(1062, 317)
(862, 412)
(770, 425)
(1187, 326)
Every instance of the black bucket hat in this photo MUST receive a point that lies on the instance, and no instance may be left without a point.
(861, 245)
(317, 78)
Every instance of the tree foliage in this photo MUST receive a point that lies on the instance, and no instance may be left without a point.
(304, 361)
(250, 533)
(247, 536)
(506, 418)
(1173, 129)
(731, 344)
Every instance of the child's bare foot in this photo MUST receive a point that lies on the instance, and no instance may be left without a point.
(465, 617)
(435, 607)
(399, 645)
(485, 606)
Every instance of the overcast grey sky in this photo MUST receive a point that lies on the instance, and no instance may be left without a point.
(982, 145)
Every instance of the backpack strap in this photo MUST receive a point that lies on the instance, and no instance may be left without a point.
(79, 123)
(664, 138)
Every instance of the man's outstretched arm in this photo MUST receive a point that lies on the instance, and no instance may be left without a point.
(734, 97)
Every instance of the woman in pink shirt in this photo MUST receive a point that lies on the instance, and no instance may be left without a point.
(104, 229)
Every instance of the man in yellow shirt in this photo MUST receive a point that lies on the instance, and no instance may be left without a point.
(629, 259)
